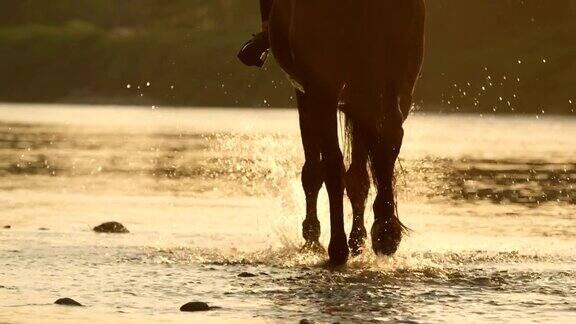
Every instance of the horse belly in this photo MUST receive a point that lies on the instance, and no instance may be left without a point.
(280, 25)
(319, 43)
(309, 44)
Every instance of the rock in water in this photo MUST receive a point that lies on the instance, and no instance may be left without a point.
(246, 275)
(111, 227)
(7, 227)
(195, 307)
(67, 302)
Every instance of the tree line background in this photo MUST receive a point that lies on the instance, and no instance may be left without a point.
(503, 56)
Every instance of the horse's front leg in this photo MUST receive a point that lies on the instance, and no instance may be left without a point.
(312, 173)
(357, 187)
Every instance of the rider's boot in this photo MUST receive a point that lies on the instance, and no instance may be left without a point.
(255, 51)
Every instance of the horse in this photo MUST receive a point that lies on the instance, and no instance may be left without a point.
(361, 57)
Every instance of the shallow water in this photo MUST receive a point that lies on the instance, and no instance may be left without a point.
(210, 193)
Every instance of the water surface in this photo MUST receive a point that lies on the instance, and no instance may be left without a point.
(210, 193)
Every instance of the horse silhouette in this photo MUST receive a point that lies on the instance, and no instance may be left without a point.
(363, 58)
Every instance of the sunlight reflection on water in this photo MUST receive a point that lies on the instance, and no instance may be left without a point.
(210, 193)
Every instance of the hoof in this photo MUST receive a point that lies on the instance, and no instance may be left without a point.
(313, 247)
(338, 251)
(311, 230)
(386, 236)
(357, 240)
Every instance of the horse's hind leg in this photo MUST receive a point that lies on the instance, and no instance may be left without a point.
(384, 148)
(312, 173)
(357, 187)
(372, 102)
(410, 61)
(400, 70)
(324, 116)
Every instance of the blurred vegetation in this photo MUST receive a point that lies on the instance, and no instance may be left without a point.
(482, 55)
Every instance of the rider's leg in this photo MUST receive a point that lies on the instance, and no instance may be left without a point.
(265, 9)
(255, 51)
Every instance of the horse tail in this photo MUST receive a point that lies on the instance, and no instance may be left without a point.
(356, 127)
(348, 136)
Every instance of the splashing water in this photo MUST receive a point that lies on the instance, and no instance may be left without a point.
(208, 194)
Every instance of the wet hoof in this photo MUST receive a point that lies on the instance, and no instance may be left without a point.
(195, 307)
(111, 227)
(386, 236)
(357, 240)
(311, 230)
(338, 251)
(313, 247)
(67, 302)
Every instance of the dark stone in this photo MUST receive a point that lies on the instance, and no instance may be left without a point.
(111, 227)
(67, 302)
(247, 275)
(43, 229)
(306, 321)
(195, 307)
(7, 227)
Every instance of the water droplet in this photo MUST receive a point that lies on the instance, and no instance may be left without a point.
(148, 84)
(128, 86)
